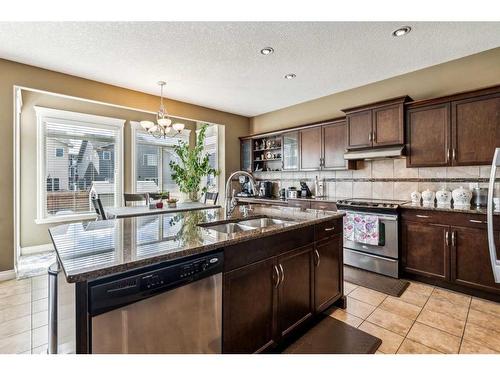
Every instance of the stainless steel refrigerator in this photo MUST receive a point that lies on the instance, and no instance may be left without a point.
(494, 209)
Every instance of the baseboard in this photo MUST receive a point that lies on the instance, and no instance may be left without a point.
(30, 250)
(7, 275)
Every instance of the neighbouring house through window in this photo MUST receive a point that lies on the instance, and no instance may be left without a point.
(153, 156)
(78, 154)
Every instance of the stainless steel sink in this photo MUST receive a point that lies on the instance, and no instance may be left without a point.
(229, 227)
(265, 222)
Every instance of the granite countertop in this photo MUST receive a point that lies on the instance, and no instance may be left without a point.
(117, 212)
(448, 208)
(88, 250)
(284, 201)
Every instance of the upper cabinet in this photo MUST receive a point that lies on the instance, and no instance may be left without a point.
(334, 145)
(454, 131)
(291, 151)
(376, 125)
(246, 155)
(310, 149)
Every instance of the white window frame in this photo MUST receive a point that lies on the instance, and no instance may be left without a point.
(45, 115)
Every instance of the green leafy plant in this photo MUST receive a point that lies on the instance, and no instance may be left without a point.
(193, 165)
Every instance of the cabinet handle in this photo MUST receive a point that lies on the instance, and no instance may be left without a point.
(282, 274)
(370, 136)
(422, 216)
(453, 238)
(447, 238)
(448, 154)
(277, 283)
(317, 257)
(477, 221)
(329, 229)
(453, 154)
(374, 135)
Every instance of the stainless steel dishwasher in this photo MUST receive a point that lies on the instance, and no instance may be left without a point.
(174, 308)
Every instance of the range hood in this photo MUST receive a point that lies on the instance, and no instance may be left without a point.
(375, 153)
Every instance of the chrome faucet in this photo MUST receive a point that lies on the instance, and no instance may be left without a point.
(230, 201)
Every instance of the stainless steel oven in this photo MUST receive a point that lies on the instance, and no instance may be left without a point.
(384, 257)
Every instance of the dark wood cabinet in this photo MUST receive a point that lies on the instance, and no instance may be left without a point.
(388, 126)
(470, 259)
(295, 289)
(449, 249)
(475, 129)
(428, 136)
(334, 146)
(290, 144)
(376, 125)
(310, 149)
(462, 129)
(327, 278)
(425, 249)
(249, 327)
(359, 125)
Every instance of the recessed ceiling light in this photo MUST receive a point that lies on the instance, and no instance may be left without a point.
(290, 76)
(267, 51)
(401, 31)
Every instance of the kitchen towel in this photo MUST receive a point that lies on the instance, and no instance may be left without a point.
(361, 228)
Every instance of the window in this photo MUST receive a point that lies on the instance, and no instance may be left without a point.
(153, 156)
(77, 154)
(210, 147)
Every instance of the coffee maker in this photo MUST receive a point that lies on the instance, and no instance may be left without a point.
(266, 189)
(246, 189)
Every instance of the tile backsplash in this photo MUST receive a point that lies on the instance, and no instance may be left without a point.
(384, 179)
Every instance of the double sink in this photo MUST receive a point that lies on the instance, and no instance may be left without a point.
(247, 224)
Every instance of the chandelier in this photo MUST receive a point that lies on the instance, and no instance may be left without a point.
(163, 127)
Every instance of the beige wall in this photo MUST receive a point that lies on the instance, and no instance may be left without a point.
(468, 73)
(12, 73)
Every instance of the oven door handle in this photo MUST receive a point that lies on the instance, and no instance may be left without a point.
(380, 217)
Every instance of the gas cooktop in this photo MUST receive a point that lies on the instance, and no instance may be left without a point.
(371, 203)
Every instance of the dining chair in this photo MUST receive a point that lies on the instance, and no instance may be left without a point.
(135, 198)
(96, 202)
(155, 196)
(211, 196)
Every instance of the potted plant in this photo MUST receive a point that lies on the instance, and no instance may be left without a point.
(192, 166)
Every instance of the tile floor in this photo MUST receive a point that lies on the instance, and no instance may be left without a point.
(23, 315)
(424, 319)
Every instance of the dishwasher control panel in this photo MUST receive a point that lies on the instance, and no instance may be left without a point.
(134, 286)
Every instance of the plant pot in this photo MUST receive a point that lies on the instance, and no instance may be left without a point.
(159, 204)
(190, 197)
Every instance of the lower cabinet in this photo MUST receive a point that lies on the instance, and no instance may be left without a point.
(267, 300)
(444, 247)
(470, 259)
(295, 289)
(327, 278)
(249, 307)
(425, 249)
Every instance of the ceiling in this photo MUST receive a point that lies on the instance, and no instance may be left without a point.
(219, 64)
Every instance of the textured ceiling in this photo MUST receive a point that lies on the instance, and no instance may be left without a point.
(218, 64)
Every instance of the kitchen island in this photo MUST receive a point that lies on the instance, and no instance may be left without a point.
(286, 259)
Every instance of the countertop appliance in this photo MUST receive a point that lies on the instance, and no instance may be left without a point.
(384, 257)
(283, 193)
(293, 193)
(266, 189)
(169, 308)
(479, 197)
(305, 192)
(493, 204)
(246, 188)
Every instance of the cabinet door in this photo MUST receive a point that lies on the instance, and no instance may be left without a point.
(334, 145)
(327, 277)
(246, 155)
(249, 326)
(291, 151)
(425, 249)
(310, 149)
(475, 129)
(388, 125)
(359, 129)
(428, 136)
(470, 259)
(295, 289)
